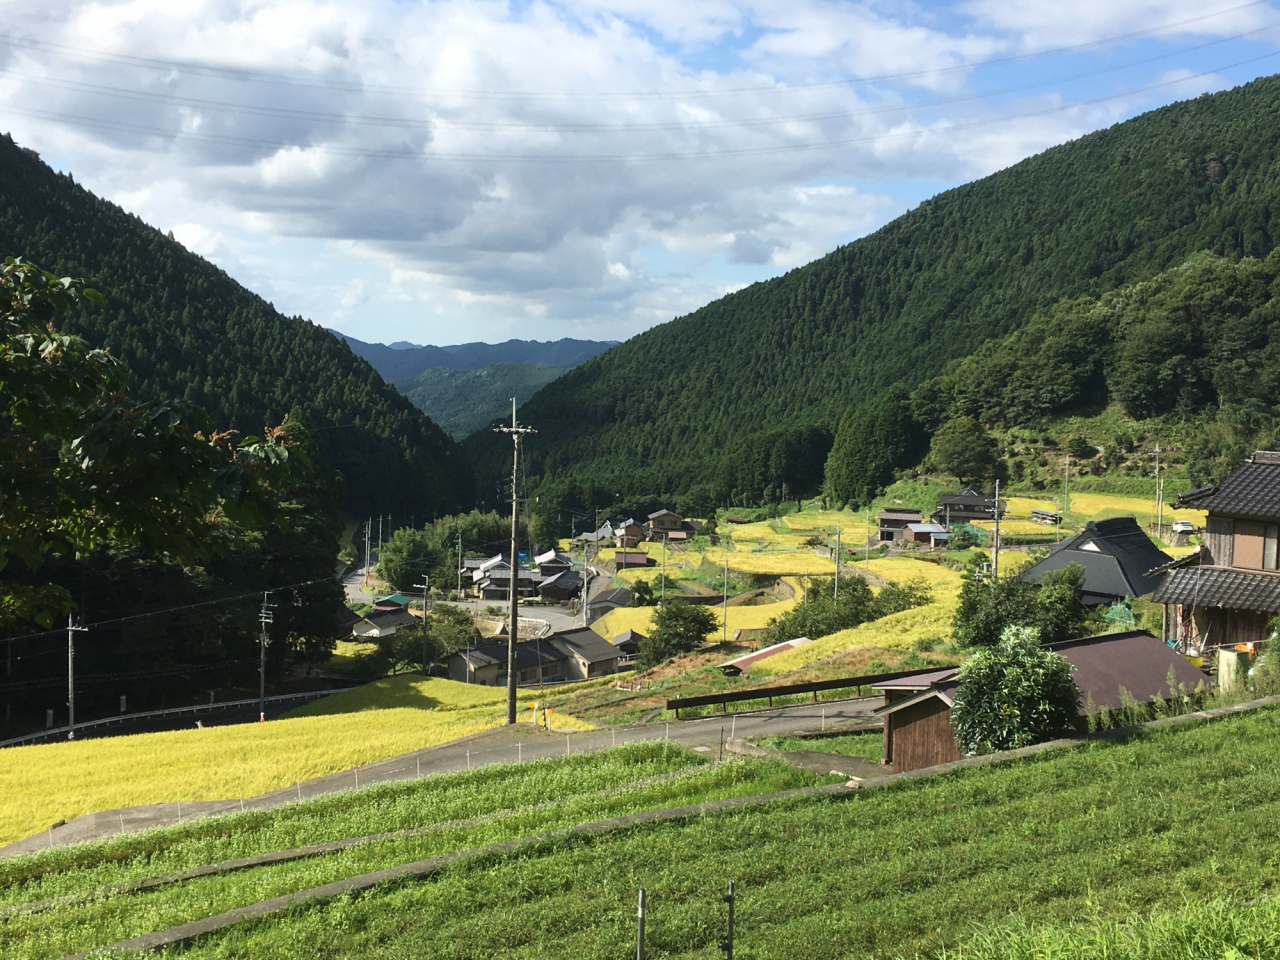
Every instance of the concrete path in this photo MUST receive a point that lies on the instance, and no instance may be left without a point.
(503, 745)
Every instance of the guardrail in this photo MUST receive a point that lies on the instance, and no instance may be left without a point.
(790, 689)
(201, 708)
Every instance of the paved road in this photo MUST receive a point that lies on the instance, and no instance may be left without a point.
(503, 745)
(351, 583)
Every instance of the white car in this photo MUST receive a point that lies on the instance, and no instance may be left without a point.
(1183, 526)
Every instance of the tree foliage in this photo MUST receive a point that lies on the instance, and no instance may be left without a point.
(678, 627)
(1013, 694)
(190, 333)
(962, 448)
(1052, 607)
(822, 613)
(432, 549)
(875, 438)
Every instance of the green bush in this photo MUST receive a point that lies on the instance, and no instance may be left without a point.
(1013, 695)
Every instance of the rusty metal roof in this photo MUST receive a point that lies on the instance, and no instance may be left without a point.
(1252, 489)
(1228, 588)
(1134, 660)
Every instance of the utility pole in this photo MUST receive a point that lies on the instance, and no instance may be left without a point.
(1066, 477)
(836, 592)
(517, 433)
(72, 630)
(459, 564)
(868, 538)
(995, 549)
(264, 618)
(1159, 493)
(724, 632)
(425, 584)
(664, 567)
(368, 524)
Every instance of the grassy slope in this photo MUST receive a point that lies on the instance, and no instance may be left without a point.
(511, 801)
(1102, 831)
(41, 784)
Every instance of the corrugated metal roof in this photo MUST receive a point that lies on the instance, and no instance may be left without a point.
(1224, 587)
(1134, 660)
(1252, 489)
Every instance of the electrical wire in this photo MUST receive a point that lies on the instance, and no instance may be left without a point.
(592, 128)
(257, 76)
(156, 613)
(76, 120)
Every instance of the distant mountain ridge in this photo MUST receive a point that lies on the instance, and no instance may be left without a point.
(402, 360)
(464, 401)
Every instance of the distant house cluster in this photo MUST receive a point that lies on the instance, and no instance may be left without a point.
(626, 534)
(907, 525)
(552, 577)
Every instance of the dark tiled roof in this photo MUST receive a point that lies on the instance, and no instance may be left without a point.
(891, 513)
(628, 636)
(1119, 565)
(1252, 489)
(1134, 660)
(587, 644)
(619, 595)
(390, 618)
(529, 653)
(1226, 587)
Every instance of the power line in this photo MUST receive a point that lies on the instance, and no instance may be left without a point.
(75, 120)
(156, 613)
(429, 123)
(258, 76)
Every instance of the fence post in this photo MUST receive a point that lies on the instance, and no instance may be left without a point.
(727, 945)
(639, 926)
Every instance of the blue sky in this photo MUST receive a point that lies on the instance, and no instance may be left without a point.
(464, 170)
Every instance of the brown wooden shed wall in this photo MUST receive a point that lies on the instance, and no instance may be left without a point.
(921, 735)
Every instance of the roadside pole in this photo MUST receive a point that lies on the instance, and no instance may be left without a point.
(517, 433)
(995, 546)
(264, 618)
(72, 630)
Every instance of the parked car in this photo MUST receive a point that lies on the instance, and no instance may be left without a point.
(1183, 526)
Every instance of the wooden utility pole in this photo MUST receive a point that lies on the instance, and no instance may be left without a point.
(995, 549)
(836, 592)
(264, 618)
(72, 630)
(425, 585)
(517, 433)
(724, 631)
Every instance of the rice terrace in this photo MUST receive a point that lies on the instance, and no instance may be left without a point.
(672, 481)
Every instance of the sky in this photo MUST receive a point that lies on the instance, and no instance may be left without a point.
(460, 170)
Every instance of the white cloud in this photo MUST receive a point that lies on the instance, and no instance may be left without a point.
(467, 169)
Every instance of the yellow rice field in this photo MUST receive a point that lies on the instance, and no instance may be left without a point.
(740, 618)
(1099, 506)
(898, 631)
(42, 784)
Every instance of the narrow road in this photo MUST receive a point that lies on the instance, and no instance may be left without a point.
(516, 744)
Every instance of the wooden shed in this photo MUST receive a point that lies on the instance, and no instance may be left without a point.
(917, 720)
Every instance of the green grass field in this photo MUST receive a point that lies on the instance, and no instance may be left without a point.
(470, 809)
(1057, 847)
(867, 745)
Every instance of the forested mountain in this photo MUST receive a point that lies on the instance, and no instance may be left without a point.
(667, 412)
(463, 401)
(187, 330)
(401, 362)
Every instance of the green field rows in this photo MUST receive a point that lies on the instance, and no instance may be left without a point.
(1105, 831)
(471, 809)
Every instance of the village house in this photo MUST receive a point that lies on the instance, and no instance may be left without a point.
(607, 600)
(628, 644)
(666, 525)
(491, 580)
(563, 586)
(624, 559)
(393, 601)
(917, 708)
(1117, 557)
(552, 562)
(1225, 592)
(929, 534)
(627, 534)
(970, 504)
(571, 655)
(892, 522)
(382, 623)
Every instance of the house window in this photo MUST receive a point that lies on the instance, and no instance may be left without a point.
(1250, 544)
(1269, 547)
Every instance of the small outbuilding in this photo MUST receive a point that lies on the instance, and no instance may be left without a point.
(892, 522)
(628, 559)
(1107, 669)
(382, 623)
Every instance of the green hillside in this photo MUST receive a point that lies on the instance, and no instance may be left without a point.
(187, 330)
(655, 415)
(464, 401)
